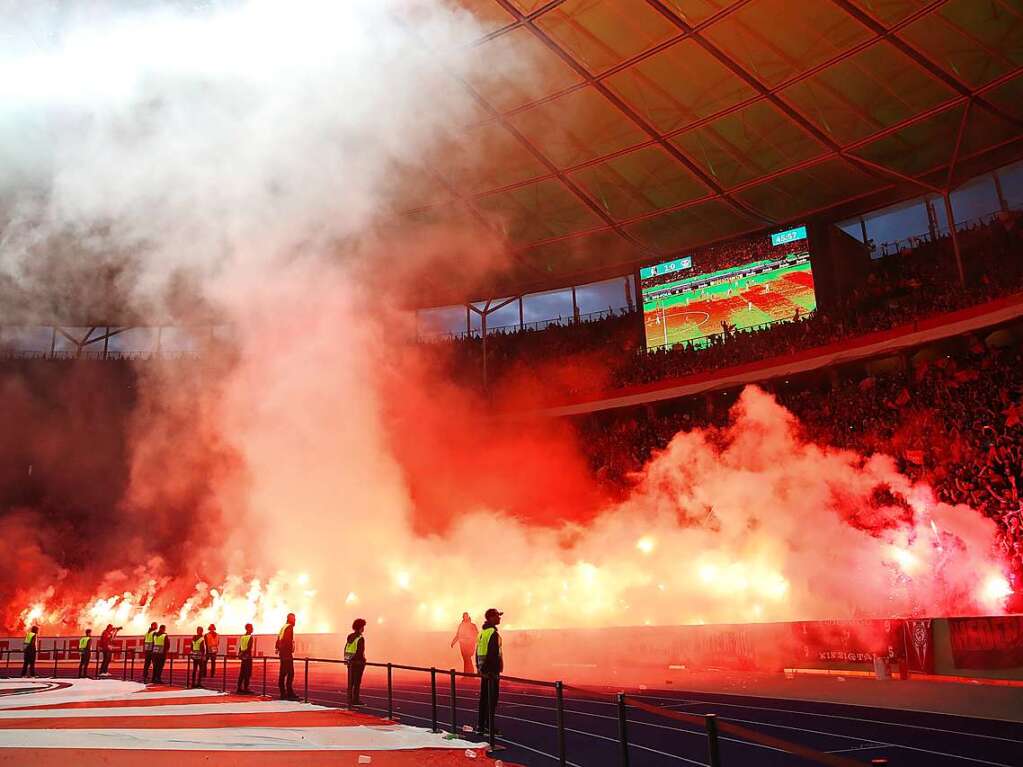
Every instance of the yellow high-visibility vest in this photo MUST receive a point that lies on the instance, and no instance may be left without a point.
(159, 640)
(244, 641)
(213, 643)
(83, 643)
(197, 644)
(29, 637)
(352, 648)
(280, 634)
(483, 643)
(148, 641)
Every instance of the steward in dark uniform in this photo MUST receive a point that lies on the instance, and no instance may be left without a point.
(489, 665)
(355, 657)
(159, 654)
(28, 663)
(286, 651)
(245, 649)
(84, 653)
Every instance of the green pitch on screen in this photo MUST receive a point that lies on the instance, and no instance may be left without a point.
(732, 296)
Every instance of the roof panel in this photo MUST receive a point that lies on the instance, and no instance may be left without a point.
(748, 144)
(679, 85)
(577, 127)
(489, 15)
(601, 33)
(775, 52)
(920, 146)
(973, 40)
(540, 211)
(507, 160)
(695, 12)
(795, 194)
(890, 12)
(1008, 97)
(639, 182)
(867, 92)
(685, 228)
(581, 254)
(522, 70)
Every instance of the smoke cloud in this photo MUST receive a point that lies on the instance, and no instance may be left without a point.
(242, 167)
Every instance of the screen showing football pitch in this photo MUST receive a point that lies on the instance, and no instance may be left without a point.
(745, 284)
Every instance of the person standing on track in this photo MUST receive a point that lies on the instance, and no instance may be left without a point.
(490, 664)
(465, 636)
(212, 648)
(159, 653)
(84, 653)
(245, 653)
(198, 658)
(147, 647)
(28, 662)
(355, 657)
(106, 647)
(286, 651)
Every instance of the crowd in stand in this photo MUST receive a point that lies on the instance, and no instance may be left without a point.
(953, 421)
(900, 289)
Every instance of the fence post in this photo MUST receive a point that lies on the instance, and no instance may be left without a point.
(433, 698)
(171, 677)
(54, 658)
(559, 692)
(390, 694)
(306, 673)
(264, 676)
(124, 665)
(713, 752)
(623, 734)
(454, 707)
(223, 685)
(133, 665)
(97, 663)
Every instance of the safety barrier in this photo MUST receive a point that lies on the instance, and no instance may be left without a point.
(710, 725)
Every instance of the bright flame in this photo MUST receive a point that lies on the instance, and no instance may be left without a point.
(995, 591)
(646, 544)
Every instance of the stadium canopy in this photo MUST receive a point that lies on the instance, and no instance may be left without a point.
(648, 127)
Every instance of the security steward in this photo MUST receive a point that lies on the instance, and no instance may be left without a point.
(286, 650)
(28, 663)
(197, 655)
(355, 657)
(84, 653)
(160, 649)
(212, 648)
(245, 649)
(490, 665)
(147, 646)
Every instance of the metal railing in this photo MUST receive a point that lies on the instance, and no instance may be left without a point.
(709, 725)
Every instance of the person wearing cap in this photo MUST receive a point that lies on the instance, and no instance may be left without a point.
(212, 648)
(465, 638)
(245, 653)
(286, 650)
(355, 657)
(490, 665)
(106, 647)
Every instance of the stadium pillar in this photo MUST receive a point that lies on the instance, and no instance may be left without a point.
(950, 215)
(1003, 203)
(522, 324)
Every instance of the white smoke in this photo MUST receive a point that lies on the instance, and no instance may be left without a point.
(259, 148)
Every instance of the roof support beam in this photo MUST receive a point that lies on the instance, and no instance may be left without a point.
(935, 71)
(636, 118)
(780, 104)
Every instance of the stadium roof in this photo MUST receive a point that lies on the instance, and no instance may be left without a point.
(653, 126)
